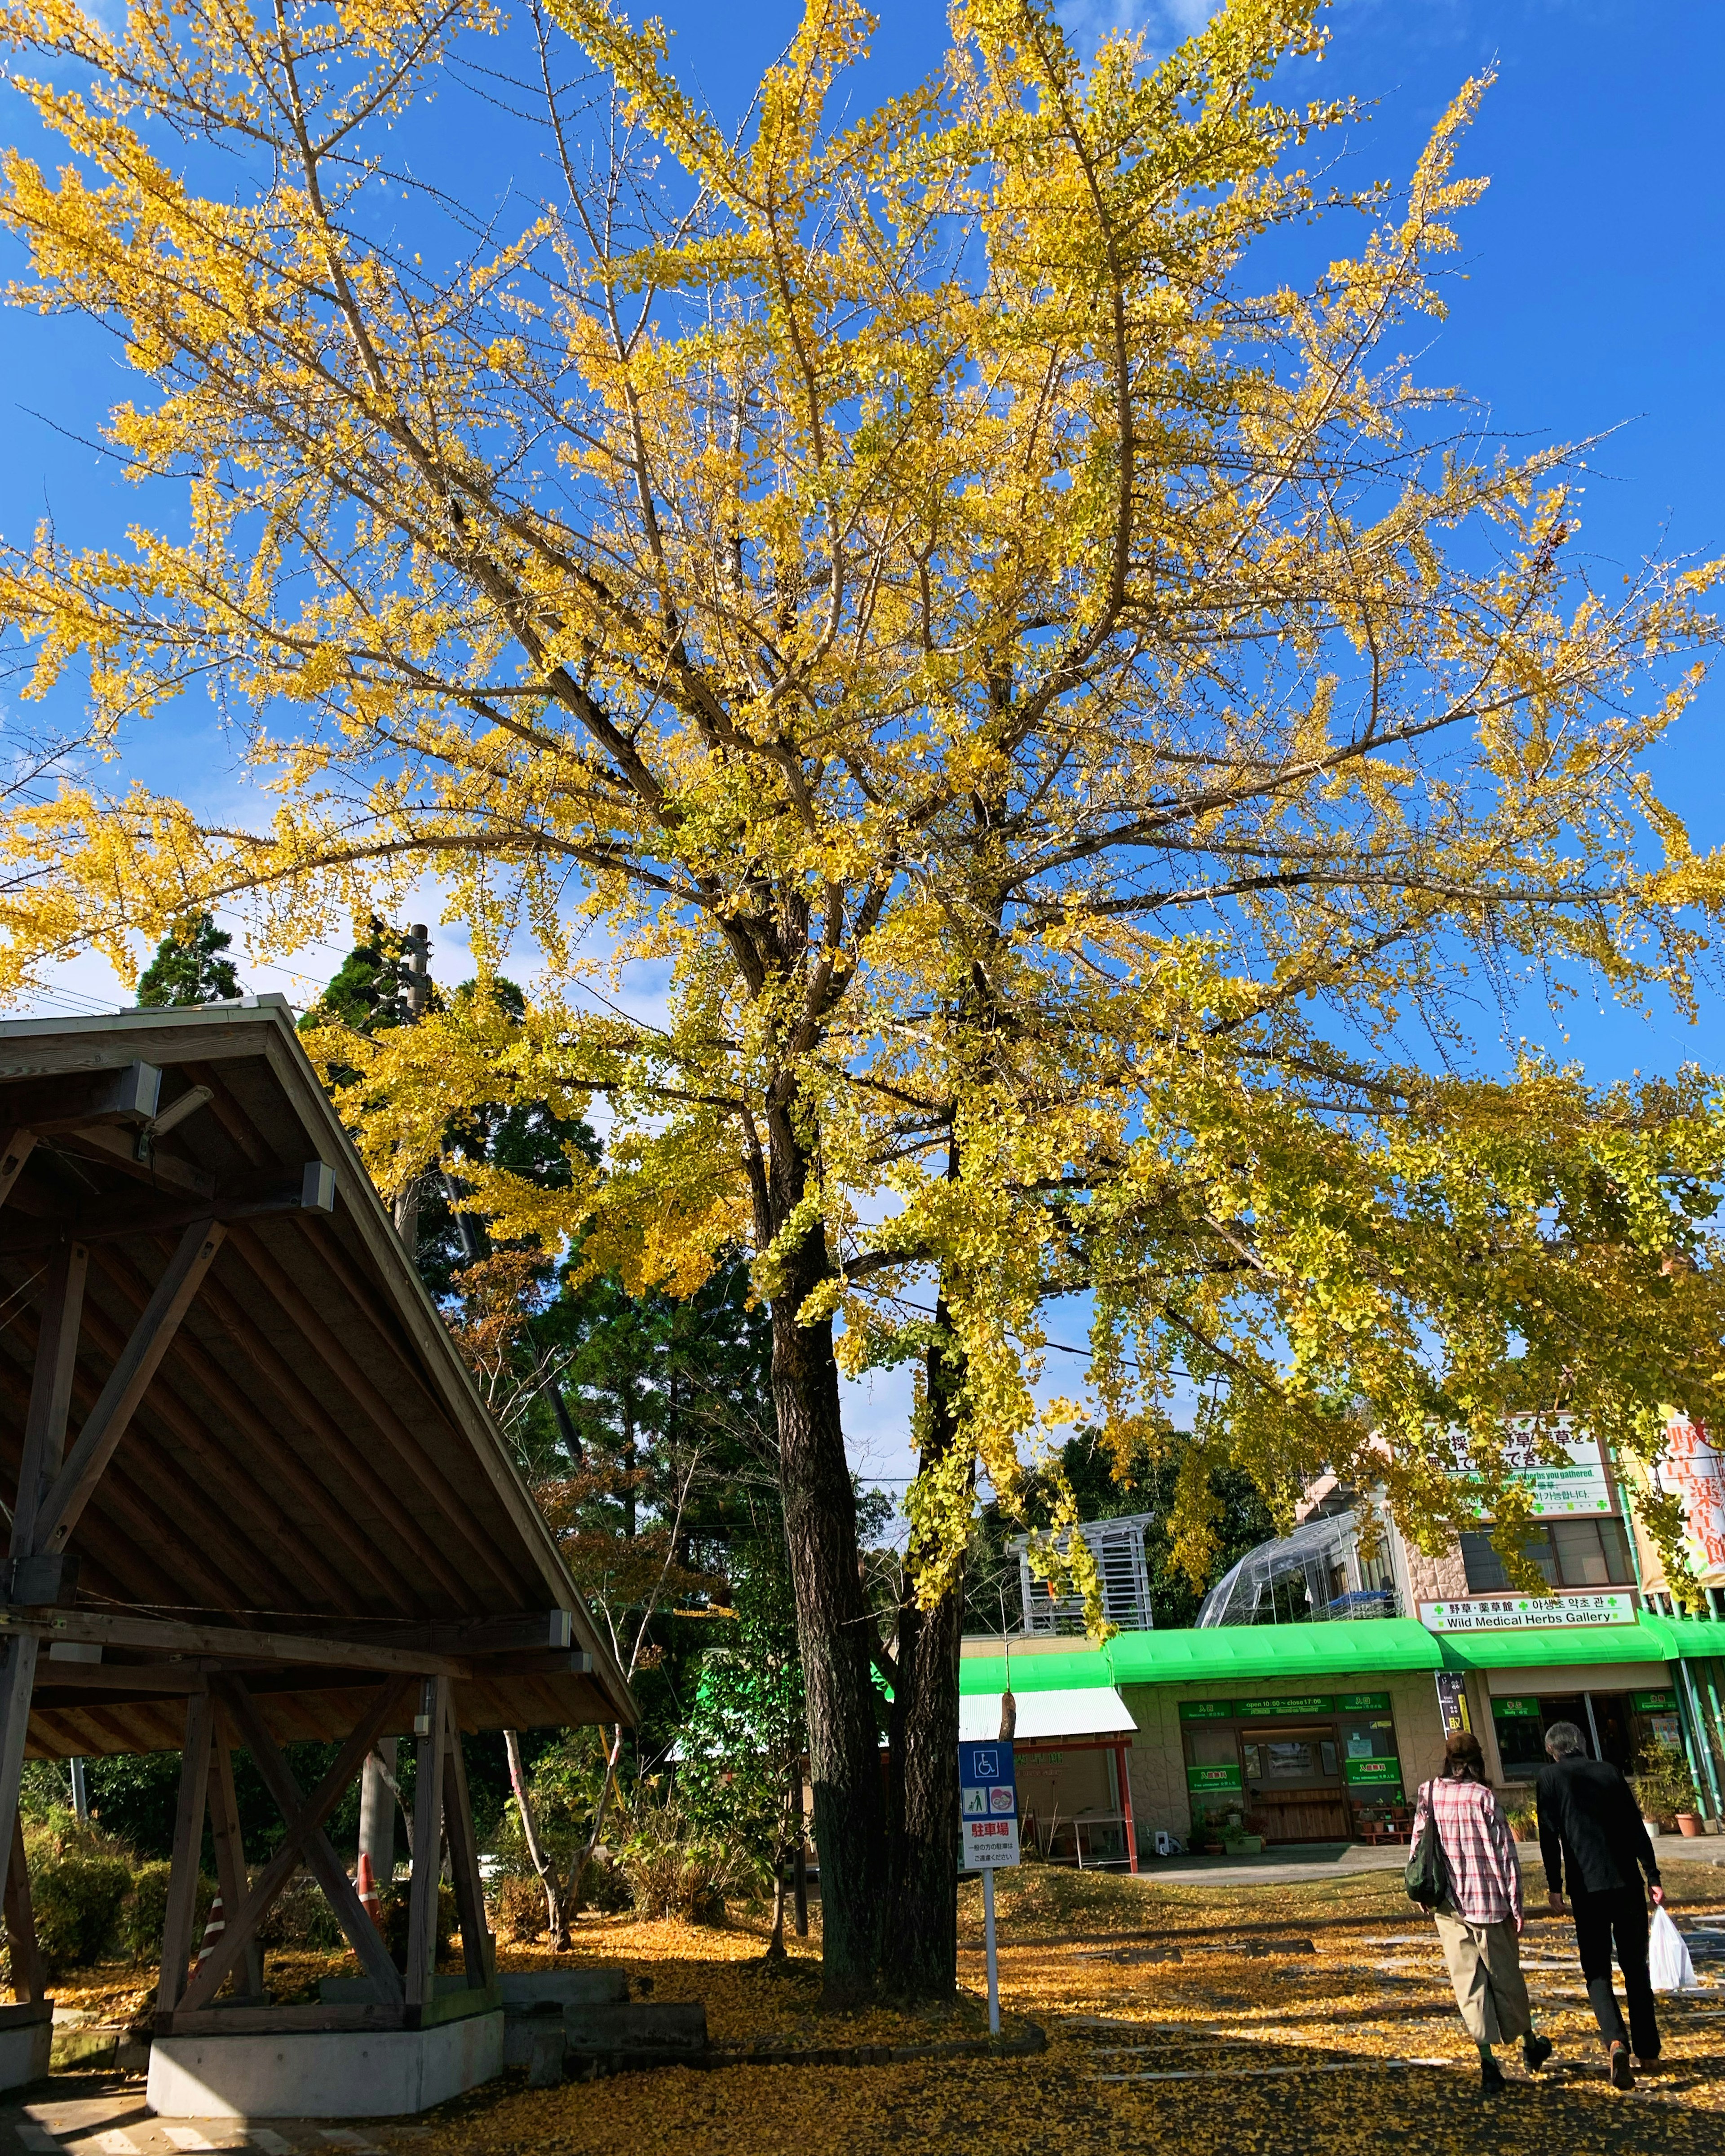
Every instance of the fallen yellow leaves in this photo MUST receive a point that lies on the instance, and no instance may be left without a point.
(1297, 2019)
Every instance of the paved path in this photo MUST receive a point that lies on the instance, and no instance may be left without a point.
(105, 2115)
(1335, 1860)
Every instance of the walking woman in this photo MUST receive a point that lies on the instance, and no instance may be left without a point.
(1479, 1922)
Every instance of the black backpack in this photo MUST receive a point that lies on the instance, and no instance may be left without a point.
(1427, 1875)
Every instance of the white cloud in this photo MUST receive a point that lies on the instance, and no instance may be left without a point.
(1167, 22)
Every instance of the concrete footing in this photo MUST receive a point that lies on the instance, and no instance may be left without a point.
(26, 2047)
(325, 2074)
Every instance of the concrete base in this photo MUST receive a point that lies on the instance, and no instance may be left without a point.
(25, 2050)
(345, 2074)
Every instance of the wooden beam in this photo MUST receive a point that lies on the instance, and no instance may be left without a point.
(188, 1848)
(305, 1834)
(125, 1386)
(28, 1983)
(165, 1680)
(161, 1170)
(19, 1144)
(463, 1857)
(238, 1521)
(226, 1643)
(230, 1858)
(128, 1572)
(271, 1451)
(310, 1414)
(113, 1095)
(469, 1638)
(51, 1391)
(455, 1508)
(432, 1728)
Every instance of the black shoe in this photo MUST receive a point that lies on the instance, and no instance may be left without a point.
(1535, 2051)
(1649, 2065)
(1491, 2077)
(1623, 2074)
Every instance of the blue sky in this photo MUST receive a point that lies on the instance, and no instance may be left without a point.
(1590, 301)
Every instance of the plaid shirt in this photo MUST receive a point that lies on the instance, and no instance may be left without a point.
(1485, 1878)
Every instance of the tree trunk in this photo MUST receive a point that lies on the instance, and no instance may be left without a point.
(556, 1923)
(833, 1623)
(919, 1949)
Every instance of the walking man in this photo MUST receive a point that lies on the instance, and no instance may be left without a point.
(1591, 1824)
(1479, 1923)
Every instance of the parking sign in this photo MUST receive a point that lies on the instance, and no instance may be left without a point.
(988, 1805)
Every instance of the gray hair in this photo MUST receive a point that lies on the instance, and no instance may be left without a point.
(1564, 1741)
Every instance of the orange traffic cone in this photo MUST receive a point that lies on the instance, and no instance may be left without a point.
(213, 1930)
(368, 1886)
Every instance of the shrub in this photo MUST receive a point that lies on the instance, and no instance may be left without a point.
(77, 1902)
(145, 1913)
(518, 1908)
(672, 1870)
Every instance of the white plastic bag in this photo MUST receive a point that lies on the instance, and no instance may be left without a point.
(1669, 1967)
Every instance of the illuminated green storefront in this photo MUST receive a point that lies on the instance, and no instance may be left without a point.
(1319, 1732)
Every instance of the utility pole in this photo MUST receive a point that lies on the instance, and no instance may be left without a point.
(407, 1202)
(377, 1783)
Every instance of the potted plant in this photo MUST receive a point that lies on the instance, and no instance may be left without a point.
(1523, 1821)
(1665, 1790)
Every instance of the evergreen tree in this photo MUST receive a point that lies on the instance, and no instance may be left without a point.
(743, 1746)
(188, 966)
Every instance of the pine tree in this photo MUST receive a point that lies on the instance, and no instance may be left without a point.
(188, 966)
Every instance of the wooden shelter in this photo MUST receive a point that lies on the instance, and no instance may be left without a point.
(255, 1495)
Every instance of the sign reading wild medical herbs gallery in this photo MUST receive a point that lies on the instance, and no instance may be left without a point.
(1522, 1612)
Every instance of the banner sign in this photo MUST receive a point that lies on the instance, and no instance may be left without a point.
(1376, 1774)
(1578, 1485)
(1452, 1703)
(1212, 1781)
(1260, 1709)
(1362, 1702)
(1206, 1710)
(988, 1805)
(1693, 1468)
(1527, 1613)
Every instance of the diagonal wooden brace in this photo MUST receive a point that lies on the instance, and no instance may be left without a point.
(18, 1146)
(127, 1382)
(305, 1835)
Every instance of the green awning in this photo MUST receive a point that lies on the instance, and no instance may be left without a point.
(1689, 1639)
(1358, 1648)
(1085, 1669)
(1227, 1654)
(1556, 1646)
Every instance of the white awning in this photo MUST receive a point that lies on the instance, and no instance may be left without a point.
(1084, 1711)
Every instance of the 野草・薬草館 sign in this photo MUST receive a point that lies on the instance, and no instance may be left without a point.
(1518, 1612)
(988, 1805)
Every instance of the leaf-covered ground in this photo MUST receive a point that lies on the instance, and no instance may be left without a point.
(1295, 2017)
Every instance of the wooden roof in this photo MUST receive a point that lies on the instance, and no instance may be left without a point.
(308, 1488)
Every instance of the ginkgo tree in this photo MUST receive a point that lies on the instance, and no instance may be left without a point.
(1053, 703)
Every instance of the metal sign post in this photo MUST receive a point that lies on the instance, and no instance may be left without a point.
(988, 1820)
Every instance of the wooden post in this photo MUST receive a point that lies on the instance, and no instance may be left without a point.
(1126, 1805)
(29, 1984)
(44, 1448)
(431, 1728)
(188, 1848)
(230, 1859)
(464, 1860)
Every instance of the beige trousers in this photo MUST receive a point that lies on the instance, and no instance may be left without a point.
(1485, 1969)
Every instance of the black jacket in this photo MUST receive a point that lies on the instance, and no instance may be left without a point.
(1588, 1812)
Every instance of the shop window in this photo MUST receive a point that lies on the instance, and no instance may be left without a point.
(1569, 1553)
(1521, 1734)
